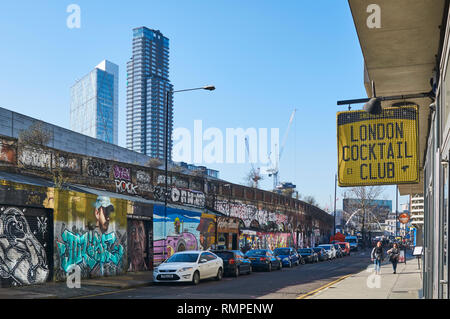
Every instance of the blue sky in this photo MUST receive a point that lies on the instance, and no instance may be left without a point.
(265, 58)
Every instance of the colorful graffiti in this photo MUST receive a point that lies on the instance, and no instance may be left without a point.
(122, 173)
(261, 240)
(94, 240)
(176, 230)
(140, 237)
(23, 260)
(89, 249)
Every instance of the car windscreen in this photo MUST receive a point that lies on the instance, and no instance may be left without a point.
(282, 251)
(307, 251)
(183, 258)
(351, 240)
(224, 254)
(258, 252)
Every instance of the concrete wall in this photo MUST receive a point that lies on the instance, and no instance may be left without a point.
(11, 123)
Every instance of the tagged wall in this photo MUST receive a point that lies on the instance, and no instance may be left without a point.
(90, 231)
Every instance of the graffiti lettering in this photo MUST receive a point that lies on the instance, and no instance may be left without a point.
(89, 249)
(33, 158)
(122, 173)
(249, 213)
(144, 181)
(182, 196)
(66, 163)
(98, 169)
(128, 187)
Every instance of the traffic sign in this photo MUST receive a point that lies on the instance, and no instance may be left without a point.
(378, 149)
(403, 218)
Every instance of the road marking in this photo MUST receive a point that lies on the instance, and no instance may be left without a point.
(311, 293)
(102, 294)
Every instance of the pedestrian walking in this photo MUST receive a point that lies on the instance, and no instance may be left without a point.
(377, 257)
(394, 253)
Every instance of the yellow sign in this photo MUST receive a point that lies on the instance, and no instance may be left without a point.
(378, 149)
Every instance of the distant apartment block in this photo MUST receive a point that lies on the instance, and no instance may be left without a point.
(147, 86)
(94, 105)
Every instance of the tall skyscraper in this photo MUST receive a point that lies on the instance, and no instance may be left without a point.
(94, 106)
(147, 86)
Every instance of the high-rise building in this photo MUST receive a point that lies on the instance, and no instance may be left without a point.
(94, 106)
(147, 86)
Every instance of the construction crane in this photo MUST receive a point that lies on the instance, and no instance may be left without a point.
(274, 170)
(254, 173)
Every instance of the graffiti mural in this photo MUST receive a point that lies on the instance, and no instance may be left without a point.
(140, 237)
(177, 230)
(94, 241)
(23, 258)
(207, 230)
(262, 240)
(97, 168)
(250, 213)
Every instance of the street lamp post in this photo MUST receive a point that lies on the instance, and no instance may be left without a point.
(166, 150)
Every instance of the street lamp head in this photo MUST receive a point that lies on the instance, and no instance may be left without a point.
(209, 87)
(373, 106)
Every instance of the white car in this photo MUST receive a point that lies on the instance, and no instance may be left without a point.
(329, 248)
(189, 266)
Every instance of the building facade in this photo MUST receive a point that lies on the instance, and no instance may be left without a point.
(407, 55)
(94, 104)
(147, 87)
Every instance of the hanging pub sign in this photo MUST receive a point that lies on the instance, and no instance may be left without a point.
(378, 149)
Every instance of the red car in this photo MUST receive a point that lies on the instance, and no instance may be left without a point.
(345, 247)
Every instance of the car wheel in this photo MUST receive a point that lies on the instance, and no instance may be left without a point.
(280, 266)
(269, 268)
(303, 261)
(237, 272)
(250, 270)
(196, 278)
(290, 264)
(219, 274)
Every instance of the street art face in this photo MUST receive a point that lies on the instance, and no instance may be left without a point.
(137, 243)
(22, 257)
(99, 250)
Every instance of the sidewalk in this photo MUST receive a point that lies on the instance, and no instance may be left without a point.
(88, 287)
(405, 284)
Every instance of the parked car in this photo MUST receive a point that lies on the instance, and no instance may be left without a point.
(353, 241)
(345, 248)
(189, 266)
(321, 253)
(309, 255)
(234, 262)
(329, 248)
(288, 256)
(264, 259)
(339, 252)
